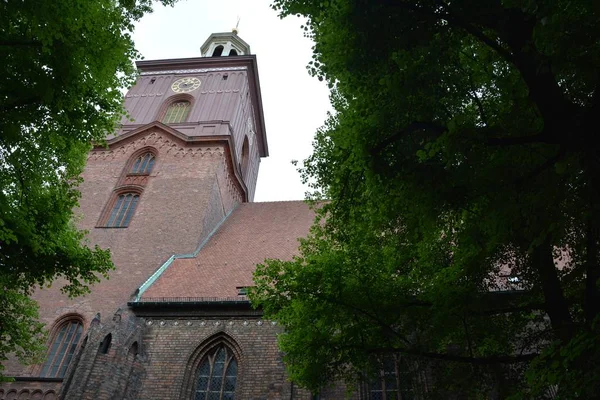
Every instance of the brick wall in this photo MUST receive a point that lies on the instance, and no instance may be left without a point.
(29, 391)
(186, 195)
(157, 357)
(171, 344)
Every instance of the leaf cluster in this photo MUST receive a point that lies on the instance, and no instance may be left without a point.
(63, 67)
(460, 169)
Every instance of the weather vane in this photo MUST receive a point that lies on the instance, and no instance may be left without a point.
(235, 30)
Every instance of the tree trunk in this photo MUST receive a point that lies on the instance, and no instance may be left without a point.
(556, 304)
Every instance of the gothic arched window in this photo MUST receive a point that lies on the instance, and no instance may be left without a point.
(233, 52)
(143, 164)
(217, 375)
(392, 382)
(123, 210)
(177, 112)
(62, 349)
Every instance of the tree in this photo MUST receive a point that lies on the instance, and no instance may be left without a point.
(462, 224)
(63, 65)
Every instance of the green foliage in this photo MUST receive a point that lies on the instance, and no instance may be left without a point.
(462, 153)
(63, 65)
(22, 334)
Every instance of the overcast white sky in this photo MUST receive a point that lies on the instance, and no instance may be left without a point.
(294, 103)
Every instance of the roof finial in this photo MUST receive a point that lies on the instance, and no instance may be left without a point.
(235, 30)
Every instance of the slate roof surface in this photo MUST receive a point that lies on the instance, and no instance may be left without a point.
(252, 233)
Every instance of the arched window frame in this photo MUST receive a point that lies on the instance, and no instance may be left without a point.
(106, 219)
(215, 373)
(128, 169)
(65, 339)
(129, 182)
(200, 354)
(175, 99)
(142, 164)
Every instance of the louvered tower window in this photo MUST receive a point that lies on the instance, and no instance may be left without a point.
(177, 112)
(62, 349)
(123, 210)
(143, 164)
(217, 376)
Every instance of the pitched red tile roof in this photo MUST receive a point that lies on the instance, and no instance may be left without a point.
(252, 233)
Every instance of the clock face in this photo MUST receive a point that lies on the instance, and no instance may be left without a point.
(185, 85)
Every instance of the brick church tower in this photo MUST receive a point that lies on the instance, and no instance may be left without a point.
(171, 197)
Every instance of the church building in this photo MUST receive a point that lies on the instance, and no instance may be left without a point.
(172, 197)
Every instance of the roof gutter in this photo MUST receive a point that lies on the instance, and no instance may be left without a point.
(180, 304)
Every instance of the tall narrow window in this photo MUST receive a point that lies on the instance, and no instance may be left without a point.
(245, 156)
(177, 112)
(123, 210)
(143, 164)
(217, 376)
(392, 382)
(62, 349)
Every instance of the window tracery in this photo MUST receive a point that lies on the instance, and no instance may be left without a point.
(143, 164)
(217, 375)
(123, 210)
(177, 112)
(62, 349)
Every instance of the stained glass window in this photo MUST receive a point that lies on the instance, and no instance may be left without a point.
(62, 350)
(177, 112)
(143, 164)
(123, 210)
(217, 376)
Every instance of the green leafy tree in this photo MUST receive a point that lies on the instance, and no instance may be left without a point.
(63, 65)
(462, 225)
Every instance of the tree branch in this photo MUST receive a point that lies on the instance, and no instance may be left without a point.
(500, 359)
(410, 128)
(508, 310)
(22, 101)
(542, 167)
(519, 140)
(20, 43)
(504, 53)
(451, 18)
